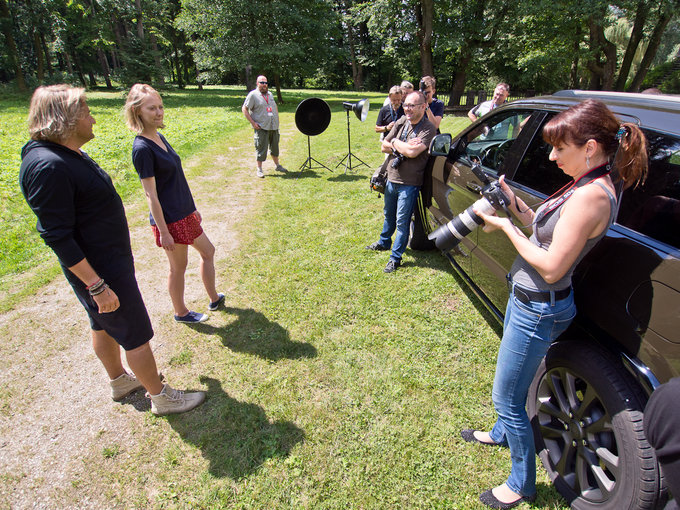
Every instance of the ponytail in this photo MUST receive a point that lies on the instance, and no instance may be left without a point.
(630, 159)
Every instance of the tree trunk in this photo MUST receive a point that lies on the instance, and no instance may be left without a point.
(424, 16)
(37, 47)
(602, 72)
(79, 71)
(116, 29)
(357, 67)
(277, 84)
(46, 52)
(140, 24)
(105, 67)
(573, 72)
(653, 46)
(458, 79)
(178, 67)
(157, 58)
(12, 53)
(250, 84)
(633, 43)
(115, 61)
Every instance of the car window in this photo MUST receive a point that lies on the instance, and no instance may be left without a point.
(653, 208)
(491, 140)
(536, 171)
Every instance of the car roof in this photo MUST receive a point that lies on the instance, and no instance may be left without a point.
(654, 111)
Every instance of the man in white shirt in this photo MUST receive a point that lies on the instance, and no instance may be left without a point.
(500, 95)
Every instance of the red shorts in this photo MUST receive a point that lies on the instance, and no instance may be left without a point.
(184, 231)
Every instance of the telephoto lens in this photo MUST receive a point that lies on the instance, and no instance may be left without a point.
(449, 235)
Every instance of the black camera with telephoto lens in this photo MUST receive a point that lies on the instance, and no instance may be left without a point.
(493, 199)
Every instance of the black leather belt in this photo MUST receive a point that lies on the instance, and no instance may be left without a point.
(542, 296)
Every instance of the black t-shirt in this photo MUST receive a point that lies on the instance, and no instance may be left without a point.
(173, 190)
(80, 214)
(437, 107)
(387, 114)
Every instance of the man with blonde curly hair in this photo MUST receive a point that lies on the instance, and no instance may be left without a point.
(81, 217)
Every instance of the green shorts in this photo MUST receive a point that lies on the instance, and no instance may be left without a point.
(266, 138)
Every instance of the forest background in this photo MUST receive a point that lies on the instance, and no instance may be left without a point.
(537, 46)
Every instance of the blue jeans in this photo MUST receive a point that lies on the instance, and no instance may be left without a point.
(528, 331)
(399, 202)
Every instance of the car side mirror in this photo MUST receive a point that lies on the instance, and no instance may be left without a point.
(440, 145)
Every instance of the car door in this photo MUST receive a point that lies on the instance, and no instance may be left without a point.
(629, 285)
(532, 177)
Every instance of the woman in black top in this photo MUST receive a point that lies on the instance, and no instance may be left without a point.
(174, 219)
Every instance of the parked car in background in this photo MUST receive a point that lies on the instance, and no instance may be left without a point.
(587, 399)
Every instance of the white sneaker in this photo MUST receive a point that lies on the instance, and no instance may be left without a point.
(123, 385)
(172, 401)
(260, 173)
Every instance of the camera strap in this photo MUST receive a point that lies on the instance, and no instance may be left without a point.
(414, 129)
(565, 192)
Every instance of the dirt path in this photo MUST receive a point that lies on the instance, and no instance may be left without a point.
(55, 405)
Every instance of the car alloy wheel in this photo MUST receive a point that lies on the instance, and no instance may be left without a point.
(586, 413)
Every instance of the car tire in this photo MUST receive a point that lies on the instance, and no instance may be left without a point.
(586, 412)
(420, 229)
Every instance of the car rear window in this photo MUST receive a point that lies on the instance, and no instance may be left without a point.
(653, 208)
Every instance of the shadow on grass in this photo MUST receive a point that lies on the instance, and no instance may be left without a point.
(253, 333)
(235, 437)
(434, 260)
(296, 174)
(343, 177)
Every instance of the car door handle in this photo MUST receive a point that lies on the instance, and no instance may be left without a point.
(474, 187)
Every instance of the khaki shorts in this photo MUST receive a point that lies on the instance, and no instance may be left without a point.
(266, 138)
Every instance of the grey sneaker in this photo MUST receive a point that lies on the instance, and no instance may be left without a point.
(123, 385)
(259, 172)
(280, 168)
(172, 401)
(392, 266)
(376, 246)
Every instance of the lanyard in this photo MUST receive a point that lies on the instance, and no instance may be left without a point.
(266, 97)
(393, 113)
(564, 195)
(405, 133)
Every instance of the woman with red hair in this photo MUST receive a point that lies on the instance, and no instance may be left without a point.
(587, 143)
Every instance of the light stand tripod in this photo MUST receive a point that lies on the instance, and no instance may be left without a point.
(307, 165)
(361, 111)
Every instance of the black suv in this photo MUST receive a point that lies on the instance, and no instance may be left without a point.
(587, 399)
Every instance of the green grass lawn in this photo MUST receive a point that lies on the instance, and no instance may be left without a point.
(330, 384)
(194, 118)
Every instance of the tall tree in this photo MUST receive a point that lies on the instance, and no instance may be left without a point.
(272, 37)
(6, 23)
(666, 12)
(425, 17)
